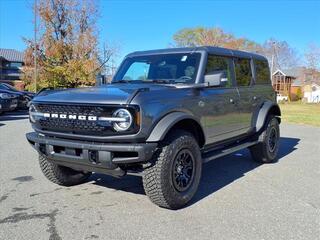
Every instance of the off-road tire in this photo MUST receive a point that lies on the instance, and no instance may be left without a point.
(158, 180)
(263, 152)
(61, 175)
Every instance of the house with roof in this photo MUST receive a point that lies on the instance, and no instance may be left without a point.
(282, 81)
(11, 62)
(297, 83)
(311, 93)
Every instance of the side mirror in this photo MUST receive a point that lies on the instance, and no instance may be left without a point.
(216, 79)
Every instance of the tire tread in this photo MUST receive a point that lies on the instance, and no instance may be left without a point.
(61, 175)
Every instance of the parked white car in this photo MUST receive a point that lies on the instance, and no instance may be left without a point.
(281, 98)
(313, 96)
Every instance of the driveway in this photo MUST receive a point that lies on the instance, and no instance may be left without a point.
(237, 199)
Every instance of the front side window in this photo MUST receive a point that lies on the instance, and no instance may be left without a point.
(171, 68)
(243, 71)
(219, 66)
(262, 72)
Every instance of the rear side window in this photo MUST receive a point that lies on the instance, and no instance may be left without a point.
(243, 71)
(262, 72)
(218, 65)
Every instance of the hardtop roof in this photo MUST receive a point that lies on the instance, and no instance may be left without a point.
(209, 49)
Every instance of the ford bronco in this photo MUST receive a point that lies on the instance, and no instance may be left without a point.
(165, 113)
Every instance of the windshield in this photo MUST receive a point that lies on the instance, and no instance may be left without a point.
(162, 68)
(7, 87)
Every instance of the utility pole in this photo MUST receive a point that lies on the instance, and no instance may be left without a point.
(272, 59)
(272, 56)
(35, 46)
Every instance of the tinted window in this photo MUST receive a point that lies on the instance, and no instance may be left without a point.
(178, 68)
(262, 72)
(243, 71)
(217, 65)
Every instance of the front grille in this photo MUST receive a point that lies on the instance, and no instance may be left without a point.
(76, 126)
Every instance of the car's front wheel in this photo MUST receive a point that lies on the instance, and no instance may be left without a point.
(61, 175)
(174, 178)
(267, 149)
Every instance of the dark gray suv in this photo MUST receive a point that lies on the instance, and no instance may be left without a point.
(165, 113)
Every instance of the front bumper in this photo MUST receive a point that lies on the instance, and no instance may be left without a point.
(23, 103)
(104, 158)
(8, 104)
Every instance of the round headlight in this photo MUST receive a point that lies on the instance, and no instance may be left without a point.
(5, 96)
(123, 120)
(32, 110)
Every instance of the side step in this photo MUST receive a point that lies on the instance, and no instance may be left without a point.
(211, 155)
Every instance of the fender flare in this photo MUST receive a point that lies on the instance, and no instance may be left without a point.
(267, 107)
(166, 123)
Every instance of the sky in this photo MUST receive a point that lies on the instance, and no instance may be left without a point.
(142, 25)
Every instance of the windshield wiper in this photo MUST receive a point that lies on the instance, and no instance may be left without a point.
(122, 81)
(169, 81)
(166, 81)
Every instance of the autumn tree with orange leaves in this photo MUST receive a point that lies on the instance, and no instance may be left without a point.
(67, 46)
(216, 37)
(283, 55)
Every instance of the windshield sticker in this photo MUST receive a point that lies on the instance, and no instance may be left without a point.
(184, 58)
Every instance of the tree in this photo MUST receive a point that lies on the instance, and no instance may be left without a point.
(312, 55)
(67, 48)
(280, 54)
(217, 37)
(299, 94)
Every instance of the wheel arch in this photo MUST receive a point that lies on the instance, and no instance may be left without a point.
(177, 120)
(267, 109)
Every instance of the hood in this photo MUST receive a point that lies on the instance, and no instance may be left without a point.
(28, 93)
(11, 92)
(107, 94)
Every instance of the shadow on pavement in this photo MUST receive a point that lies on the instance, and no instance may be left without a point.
(223, 171)
(215, 175)
(11, 116)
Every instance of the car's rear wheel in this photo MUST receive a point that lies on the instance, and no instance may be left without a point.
(267, 149)
(61, 175)
(174, 178)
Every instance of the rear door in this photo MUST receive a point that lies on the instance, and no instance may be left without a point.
(220, 104)
(262, 89)
(244, 80)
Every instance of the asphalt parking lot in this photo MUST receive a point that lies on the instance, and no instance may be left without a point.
(237, 199)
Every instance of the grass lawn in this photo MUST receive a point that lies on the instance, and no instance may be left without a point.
(301, 113)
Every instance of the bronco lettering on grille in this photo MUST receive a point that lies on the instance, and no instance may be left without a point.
(71, 116)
